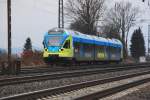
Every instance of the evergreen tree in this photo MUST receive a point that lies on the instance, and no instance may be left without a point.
(28, 45)
(137, 46)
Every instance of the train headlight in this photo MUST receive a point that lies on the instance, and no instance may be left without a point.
(46, 49)
(61, 49)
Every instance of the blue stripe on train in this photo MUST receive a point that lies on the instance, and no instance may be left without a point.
(76, 39)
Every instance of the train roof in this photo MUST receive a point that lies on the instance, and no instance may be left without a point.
(80, 37)
(94, 39)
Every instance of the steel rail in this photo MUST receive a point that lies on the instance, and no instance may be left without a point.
(58, 90)
(43, 69)
(62, 68)
(102, 94)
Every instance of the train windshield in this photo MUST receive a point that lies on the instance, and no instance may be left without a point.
(55, 40)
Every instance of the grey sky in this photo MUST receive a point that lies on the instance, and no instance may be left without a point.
(32, 18)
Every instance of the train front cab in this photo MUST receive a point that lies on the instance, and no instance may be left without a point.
(67, 49)
(62, 55)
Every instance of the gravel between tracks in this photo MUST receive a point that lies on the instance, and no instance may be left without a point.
(141, 93)
(27, 87)
(82, 92)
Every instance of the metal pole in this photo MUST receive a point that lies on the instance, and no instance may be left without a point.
(148, 40)
(60, 14)
(9, 33)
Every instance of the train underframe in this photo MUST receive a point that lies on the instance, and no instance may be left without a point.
(72, 61)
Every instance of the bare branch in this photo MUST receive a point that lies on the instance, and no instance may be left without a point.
(121, 18)
(87, 12)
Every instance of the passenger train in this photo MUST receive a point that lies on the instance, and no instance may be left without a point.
(67, 46)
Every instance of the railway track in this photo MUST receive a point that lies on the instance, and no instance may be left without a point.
(33, 70)
(65, 74)
(48, 69)
(46, 94)
(102, 94)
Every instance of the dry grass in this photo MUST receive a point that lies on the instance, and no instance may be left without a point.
(129, 59)
(32, 58)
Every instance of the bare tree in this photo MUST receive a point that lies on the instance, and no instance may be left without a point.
(122, 16)
(111, 30)
(84, 13)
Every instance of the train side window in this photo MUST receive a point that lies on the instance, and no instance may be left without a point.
(77, 46)
(114, 50)
(101, 49)
(111, 50)
(67, 44)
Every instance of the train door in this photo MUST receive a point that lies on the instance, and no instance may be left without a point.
(106, 53)
(108, 50)
(77, 50)
(118, 53)
(100, 53)
(88, 52)
(67, 49)
(114, 53)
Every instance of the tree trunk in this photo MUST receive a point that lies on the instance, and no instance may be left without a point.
(126, 42)
(123, 36)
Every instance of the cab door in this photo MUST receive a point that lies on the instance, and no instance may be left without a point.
(67, 49)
